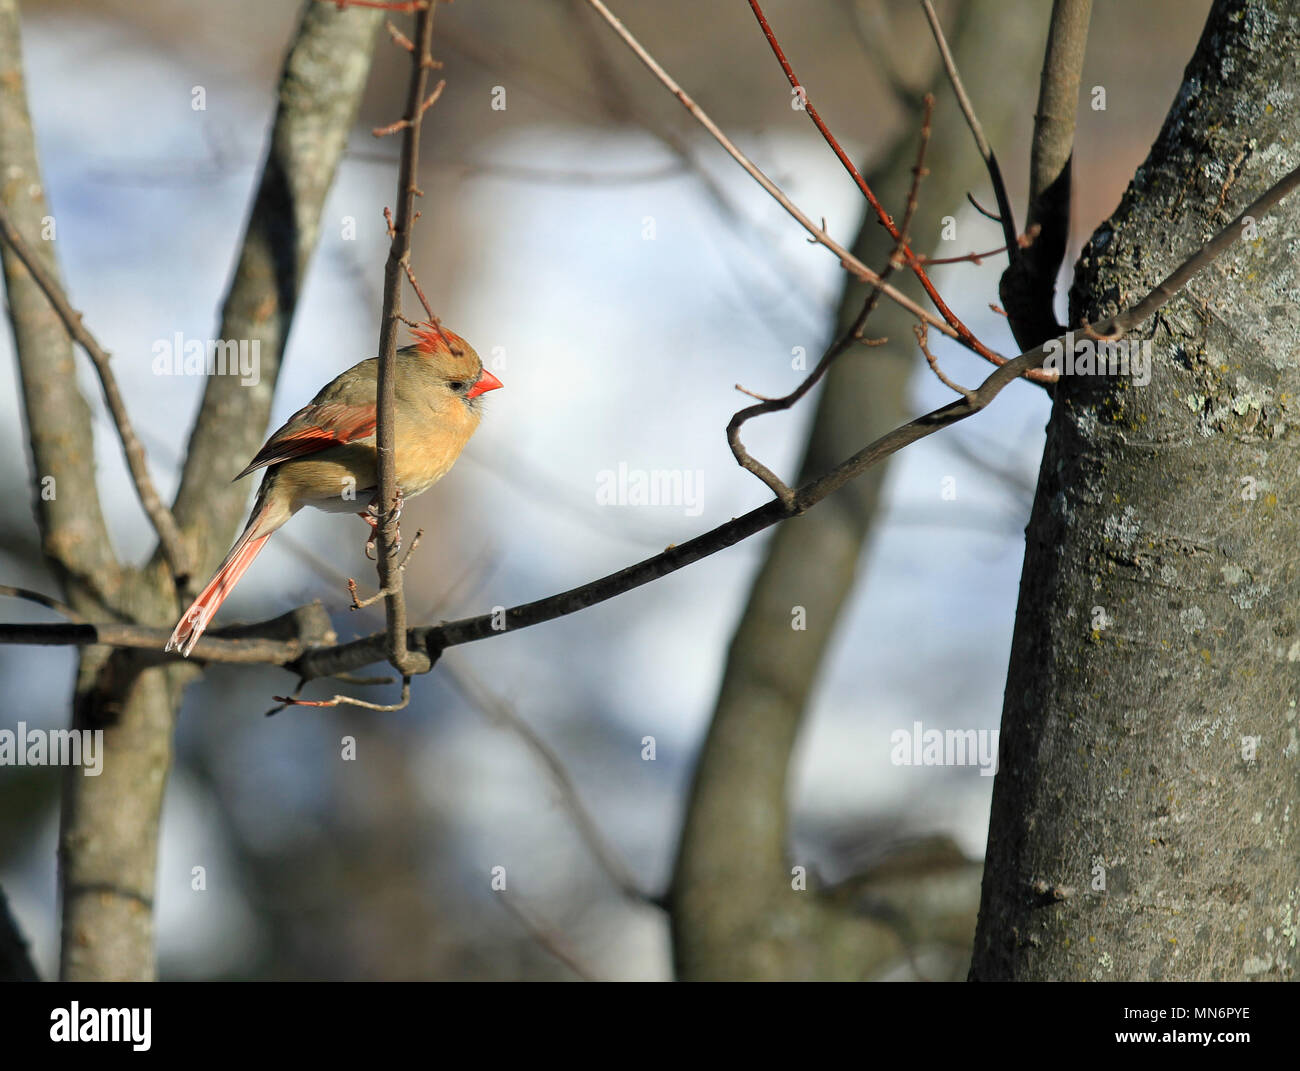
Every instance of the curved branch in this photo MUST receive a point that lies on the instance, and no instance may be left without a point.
(428, 642)
(69, 513)
(1006, 216)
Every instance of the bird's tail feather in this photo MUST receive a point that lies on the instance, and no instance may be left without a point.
(195, 620)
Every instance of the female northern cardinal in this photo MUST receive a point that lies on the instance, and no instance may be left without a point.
(324, 456)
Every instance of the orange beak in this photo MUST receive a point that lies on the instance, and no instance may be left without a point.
(486, 382)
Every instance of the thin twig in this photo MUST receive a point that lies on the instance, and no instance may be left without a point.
(169, 536)
(914, 190)
(405, 7)
(419, 292)
(403, 124)
(971, 258)
(1007, 217)
(399, 256)
(964, 334)
(981, 209)
(548, 937)
(361, 604)
(43, 600)
(847, 260)
(854, 333)
(922, 340)
(399, 39)
(345, 701)
(498, 710)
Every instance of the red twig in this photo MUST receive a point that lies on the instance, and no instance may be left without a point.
(973, 258)
(343, 701)
(400, 39)
(433, 320)
(964, 333)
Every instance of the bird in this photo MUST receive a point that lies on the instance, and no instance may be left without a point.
(324, 455)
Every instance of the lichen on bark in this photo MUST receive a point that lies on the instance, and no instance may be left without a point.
(1144, 815)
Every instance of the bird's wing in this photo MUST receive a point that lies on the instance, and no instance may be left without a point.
(313, 428)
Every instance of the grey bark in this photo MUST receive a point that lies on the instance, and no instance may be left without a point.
(734, 912)
(1134, 833)
(74, 536)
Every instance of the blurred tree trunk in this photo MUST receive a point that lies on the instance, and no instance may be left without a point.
(733, 910)
(109, 823)
(1144, 814)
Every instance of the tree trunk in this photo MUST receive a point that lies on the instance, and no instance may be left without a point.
(109, 824)
(1144, 820)
(734, 913)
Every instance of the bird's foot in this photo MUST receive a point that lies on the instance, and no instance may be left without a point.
(371, 516)
(368, 515)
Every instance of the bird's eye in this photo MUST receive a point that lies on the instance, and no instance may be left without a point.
(458, 386)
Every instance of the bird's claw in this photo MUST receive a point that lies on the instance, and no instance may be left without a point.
(371, 517)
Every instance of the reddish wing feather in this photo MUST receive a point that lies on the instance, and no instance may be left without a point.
(314, 428)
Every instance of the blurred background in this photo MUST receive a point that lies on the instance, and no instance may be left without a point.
(620, 275)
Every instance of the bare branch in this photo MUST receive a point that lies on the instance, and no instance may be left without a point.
(43, 600)
(914, 262)
(359, 603)
(1028, 286)
(1005, 216)
(74, 534)
(425, 644)
(1058, 103)
(323, 80)
(398, 265)
(399, 6)
(847, 260)
(110, 824)
(972, 258)
(922, 340)
(854, 333)
(169, 536)
(344, 701)
(405, 124)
